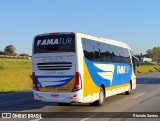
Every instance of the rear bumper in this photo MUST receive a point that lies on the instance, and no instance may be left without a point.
(58, 97)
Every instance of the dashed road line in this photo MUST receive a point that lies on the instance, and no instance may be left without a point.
(139, 95)
(87, 118)
(36, 119)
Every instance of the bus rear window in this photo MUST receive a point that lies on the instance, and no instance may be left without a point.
(54, 43)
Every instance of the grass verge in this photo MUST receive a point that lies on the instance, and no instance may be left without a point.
(148, 67)
(15, 75)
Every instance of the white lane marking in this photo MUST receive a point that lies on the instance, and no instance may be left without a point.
(36, 119)
(25, 111)
(139, 95)
(87, 118)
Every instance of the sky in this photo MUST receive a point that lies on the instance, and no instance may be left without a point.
(135, 22)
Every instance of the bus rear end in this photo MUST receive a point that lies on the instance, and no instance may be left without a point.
(55, 78)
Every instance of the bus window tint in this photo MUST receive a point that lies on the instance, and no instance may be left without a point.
(57, 43)
(100, 52)
(88, 49)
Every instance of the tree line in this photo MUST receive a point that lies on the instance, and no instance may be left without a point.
(153, 53)
(10, 50)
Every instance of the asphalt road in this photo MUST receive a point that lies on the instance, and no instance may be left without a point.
(146, 98)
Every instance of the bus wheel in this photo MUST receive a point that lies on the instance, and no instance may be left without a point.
(64, 104)
(100, 101)
(129, 91)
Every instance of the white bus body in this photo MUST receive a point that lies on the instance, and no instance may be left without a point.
(78, 68)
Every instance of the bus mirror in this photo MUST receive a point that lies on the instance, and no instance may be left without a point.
(137, 61)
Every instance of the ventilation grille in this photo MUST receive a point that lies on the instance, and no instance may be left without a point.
(54, 66)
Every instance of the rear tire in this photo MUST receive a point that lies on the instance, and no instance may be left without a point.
(129, 91)
(100, 101)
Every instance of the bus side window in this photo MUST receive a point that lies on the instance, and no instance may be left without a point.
(88, 49)
(115, 54)
(125, 56)
(97, 51)
(108, 53)
(84, 46)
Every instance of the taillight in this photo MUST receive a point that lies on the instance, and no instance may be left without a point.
(73, 33)
(55, 33)
(78, 82)
(34, 82)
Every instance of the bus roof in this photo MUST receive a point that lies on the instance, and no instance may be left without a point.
(105, 40)
(115, 42)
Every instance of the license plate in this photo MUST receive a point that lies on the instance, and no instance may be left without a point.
(54, 95)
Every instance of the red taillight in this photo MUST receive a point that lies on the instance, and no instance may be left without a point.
(55, 33)
(78, 82)
(34, 82)
(73, 33)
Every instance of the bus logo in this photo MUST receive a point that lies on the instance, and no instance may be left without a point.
(54, 41)
(122, 69)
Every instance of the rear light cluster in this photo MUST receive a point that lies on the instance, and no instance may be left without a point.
(34, 82)
(78, 82)
(55, 33)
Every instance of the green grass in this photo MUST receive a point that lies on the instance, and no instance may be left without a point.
(148, 67)
(147, 64)
(15, 75)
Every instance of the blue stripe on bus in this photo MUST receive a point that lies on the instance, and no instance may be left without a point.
(64, 82)
(117, 78)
